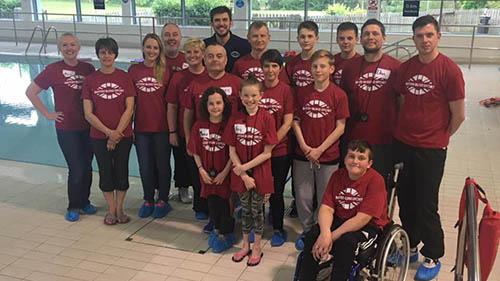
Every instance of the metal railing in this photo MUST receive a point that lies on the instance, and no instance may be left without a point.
(44, 42)
(31, 38)
(467, 244)
(290, 28)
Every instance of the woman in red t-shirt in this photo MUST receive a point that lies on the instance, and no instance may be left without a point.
(150, 79)
(65, 77)
(108, 103)
(251, 136)
(211, 155)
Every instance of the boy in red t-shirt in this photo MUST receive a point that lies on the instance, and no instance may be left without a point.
(353, 212)
(251, 136)
(347, 37)
(321, 111)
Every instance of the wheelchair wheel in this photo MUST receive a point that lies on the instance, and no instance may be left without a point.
(393, 256)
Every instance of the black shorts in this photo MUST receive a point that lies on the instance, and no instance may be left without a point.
(113, 165)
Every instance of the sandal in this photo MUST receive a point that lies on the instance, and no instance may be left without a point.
(123, 218)
(254, 261)
(109, 219)
(240, 256)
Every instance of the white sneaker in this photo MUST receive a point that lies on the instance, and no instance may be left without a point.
(184, 196)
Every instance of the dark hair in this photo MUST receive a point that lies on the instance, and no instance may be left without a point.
(347, 25)
(204, 103)
(423, 21)
(375, 22)
(361, 146)
(272, 55)
(309, 25)
(257, 25)
(220, 10)
(107, 43)
(323, 54)
(250, 81)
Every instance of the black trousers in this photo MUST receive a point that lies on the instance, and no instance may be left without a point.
(418, 196)
(199, 203)
(113, 165)
(77, 151)
(153, 154)
(343, 251)
(280, 166)
(182, 176)
(219, 213)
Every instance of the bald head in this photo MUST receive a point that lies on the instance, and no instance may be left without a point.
(171, 36)
(215, 58)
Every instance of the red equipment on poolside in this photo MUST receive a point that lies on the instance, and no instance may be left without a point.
(489, 228)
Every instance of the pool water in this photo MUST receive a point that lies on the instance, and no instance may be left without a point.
(25, 134)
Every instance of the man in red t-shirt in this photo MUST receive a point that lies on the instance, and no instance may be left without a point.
(171, 36)
(258, 37)
(347, 37)
(432, 93)
(367, 81)
(352, 213)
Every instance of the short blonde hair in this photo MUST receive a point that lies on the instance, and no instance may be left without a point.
(323, 54)
(194, 43)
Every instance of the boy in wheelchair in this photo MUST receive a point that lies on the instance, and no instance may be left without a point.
(353, 213)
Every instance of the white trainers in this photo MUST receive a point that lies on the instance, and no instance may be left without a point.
(184, 196)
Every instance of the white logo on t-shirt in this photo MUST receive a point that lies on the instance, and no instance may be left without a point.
(419, 85)
(270, 104)
(302, 78)
(148, 85)
(248, 137)
(256, 71)
(109, 91)
(348, 198)
(227, 90)
(212, 142)
(316, 109)
(235, 54)
(370, 83)
(73, 80)
(337, 76)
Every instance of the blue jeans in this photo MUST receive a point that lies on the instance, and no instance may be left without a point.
(75, 146)
(153, 154)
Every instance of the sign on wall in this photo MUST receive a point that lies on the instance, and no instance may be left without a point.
(99, 4)
(411, 8)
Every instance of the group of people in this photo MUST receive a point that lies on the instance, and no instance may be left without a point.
(237, 118)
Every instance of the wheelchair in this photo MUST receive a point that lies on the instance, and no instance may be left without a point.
(386, 259)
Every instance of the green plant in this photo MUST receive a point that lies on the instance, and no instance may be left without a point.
(167, 8)
(337, 9)
(9, 5)
(144, 3)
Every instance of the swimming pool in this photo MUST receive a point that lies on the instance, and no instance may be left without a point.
(25, 134)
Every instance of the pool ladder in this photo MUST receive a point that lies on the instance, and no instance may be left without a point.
(45, 35)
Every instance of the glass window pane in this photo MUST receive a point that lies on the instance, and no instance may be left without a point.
(112, 8)
(279, 14)
(7, 7)
(58, 10)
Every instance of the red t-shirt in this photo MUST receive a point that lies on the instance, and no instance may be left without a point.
(427, 89)
(278, 101)
(249, 135)
(367, 195)
(108, 93)
(66, 82)
(318, 113)
(230, 83)
(339, 64)
(206, 142)
(369, 87)
(299, 72)
(177, 92)
(150, 106)
(247, 64)
(176, 64)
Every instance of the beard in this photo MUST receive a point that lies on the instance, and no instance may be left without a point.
(371, 50)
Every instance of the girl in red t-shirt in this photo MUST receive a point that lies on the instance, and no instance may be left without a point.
(211, 155)
(251, 136)
(108, 103)
(150, 79)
